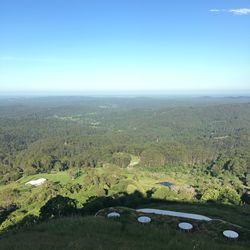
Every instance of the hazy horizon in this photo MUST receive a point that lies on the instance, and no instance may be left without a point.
(129, 93)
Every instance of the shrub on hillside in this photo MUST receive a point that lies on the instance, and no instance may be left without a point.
(210, 195)
(224, 195)
(229, 196)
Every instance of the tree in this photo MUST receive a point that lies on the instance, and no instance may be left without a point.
(121, 159)
(152, 157)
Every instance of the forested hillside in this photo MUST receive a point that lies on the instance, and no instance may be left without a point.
(97, 147)
(42, 135)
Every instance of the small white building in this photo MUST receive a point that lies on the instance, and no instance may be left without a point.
(37, 182)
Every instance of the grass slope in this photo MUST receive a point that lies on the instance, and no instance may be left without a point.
(101, 233)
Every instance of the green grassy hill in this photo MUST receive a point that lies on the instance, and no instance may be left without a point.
(124, 233)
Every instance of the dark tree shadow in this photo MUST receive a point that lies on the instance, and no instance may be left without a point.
(5, 212)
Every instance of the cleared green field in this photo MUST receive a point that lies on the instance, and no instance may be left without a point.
(61, 177)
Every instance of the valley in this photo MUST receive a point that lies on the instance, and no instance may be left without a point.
(183, 155)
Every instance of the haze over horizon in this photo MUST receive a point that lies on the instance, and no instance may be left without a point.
(133, 46)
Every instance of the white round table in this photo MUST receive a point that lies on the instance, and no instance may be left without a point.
(231, 234)
(144, 219)
(113, 215)
(185, 226)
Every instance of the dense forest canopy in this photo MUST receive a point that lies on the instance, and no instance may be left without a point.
(56, 133)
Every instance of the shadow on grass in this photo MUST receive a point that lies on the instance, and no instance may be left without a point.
(5, 212)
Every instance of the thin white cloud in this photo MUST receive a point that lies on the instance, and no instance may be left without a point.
(237, 12)
(214, 10)
(243, 11)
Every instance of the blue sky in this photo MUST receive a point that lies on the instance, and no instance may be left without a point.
(126, 45)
